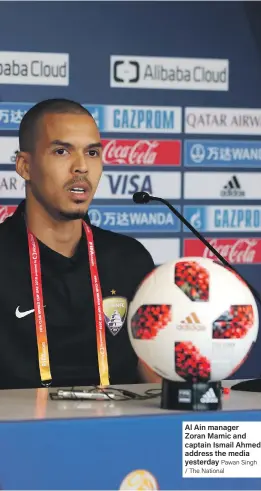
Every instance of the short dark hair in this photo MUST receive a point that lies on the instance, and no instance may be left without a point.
(29, 124)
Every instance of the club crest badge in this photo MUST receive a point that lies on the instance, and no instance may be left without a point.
(115, 311)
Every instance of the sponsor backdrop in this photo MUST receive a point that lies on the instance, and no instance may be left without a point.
(175, 91)
(178, 106)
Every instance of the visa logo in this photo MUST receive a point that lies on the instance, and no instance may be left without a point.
(129, 184)
(122, 185)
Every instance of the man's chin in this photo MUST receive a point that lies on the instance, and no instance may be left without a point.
(73, 214)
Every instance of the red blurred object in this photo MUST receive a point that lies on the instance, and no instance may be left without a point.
(6, 211)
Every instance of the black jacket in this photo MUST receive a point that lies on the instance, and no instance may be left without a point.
(122, 261)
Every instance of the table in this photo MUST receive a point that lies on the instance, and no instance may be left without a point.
(95, 445)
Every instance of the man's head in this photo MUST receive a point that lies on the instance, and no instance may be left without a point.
(60, 157)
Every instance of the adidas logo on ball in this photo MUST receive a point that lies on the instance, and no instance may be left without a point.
(191, 323)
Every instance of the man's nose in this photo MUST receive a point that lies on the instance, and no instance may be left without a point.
(80, 164)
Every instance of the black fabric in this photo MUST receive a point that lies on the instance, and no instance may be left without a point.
(122, 261)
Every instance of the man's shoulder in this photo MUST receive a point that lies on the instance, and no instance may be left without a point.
(10, 233)
(11, 224)
(6, 228)
(120, 242)
(9, 246)
(124, 256)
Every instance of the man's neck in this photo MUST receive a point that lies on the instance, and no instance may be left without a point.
(59, 235)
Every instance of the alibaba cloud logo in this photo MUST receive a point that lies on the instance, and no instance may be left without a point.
(126, 71)
(139, 480)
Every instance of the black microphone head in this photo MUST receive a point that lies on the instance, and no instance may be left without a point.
(141, 197)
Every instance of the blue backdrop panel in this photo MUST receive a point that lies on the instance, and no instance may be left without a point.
(99, 453)
(90, 32)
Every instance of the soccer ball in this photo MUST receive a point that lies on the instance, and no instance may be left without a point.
(193, 320)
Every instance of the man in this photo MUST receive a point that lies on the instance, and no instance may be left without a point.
(65, 285)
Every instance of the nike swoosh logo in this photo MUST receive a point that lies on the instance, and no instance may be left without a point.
(20, 315)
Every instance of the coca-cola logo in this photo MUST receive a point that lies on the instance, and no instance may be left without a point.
(141, 152)
(6, 212)
(240, 251)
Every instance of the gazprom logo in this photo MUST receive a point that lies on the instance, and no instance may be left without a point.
(196, 216)
(144, 119)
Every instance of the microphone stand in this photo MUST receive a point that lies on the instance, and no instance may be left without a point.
(253, 385)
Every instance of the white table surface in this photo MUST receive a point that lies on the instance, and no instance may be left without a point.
(35, 404)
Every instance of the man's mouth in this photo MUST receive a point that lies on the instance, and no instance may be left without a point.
(77, 190)
(81, 189)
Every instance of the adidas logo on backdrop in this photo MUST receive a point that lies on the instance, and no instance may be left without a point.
(209, 397)
(232, 189)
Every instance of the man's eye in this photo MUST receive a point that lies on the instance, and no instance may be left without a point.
(93, 153)
(60, 151)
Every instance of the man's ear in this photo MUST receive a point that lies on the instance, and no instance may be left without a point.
(22, 163)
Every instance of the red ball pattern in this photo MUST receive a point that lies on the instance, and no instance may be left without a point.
(234, 323)
(190, 364)
(149, 320)
(193, 280)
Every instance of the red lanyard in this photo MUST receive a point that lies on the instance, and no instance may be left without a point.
(40, 323)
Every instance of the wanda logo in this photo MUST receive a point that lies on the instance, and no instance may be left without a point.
(6, 211)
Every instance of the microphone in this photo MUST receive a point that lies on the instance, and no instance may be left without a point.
(143, 197)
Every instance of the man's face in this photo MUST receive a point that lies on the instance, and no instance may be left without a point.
(64, 171)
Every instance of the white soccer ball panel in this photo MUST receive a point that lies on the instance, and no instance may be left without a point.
(202, 326)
